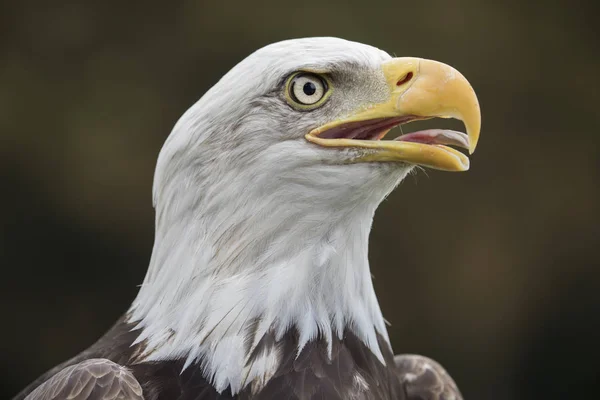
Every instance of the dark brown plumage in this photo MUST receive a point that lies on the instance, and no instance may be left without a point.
(108, 370)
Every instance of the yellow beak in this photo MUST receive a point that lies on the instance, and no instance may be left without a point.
(419, 89)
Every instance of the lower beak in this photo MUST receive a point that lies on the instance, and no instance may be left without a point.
(419, 89)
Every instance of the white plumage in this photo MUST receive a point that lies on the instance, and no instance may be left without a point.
(253, 223)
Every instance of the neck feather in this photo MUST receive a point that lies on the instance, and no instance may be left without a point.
(229, 267)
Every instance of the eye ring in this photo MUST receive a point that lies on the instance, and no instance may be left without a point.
(307, 90)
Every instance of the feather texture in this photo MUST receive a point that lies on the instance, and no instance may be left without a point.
(93, 379)
(258, 229)
(424, 379)
(111, 367)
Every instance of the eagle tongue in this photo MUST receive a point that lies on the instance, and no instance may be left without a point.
(437, 136)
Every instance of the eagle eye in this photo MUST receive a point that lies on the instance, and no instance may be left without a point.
(306, 90)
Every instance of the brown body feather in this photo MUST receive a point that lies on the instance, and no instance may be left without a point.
(108, 371)
(310, 375)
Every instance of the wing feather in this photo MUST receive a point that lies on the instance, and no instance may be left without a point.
(424, 379)
(93, 379)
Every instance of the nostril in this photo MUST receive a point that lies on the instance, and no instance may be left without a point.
(404, 79)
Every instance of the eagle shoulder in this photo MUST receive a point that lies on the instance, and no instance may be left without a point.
(93, 379)
(423, 378)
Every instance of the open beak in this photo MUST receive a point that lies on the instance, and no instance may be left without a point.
(419, 89)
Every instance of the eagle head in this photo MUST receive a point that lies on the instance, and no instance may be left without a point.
(265, 193)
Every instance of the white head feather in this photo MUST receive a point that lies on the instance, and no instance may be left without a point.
(253, 223)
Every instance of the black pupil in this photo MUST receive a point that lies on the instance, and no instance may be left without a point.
(309, 88)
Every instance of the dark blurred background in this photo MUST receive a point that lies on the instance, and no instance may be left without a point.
(494, 272)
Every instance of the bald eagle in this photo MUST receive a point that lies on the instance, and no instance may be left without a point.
(259, 284)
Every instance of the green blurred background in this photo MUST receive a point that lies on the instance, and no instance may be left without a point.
(494, 272)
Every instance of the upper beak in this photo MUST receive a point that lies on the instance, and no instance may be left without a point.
(419, 89)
